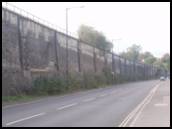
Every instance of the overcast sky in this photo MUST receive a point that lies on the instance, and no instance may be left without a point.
(145, 24)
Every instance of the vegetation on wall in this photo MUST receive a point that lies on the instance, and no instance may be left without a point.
(58, 85)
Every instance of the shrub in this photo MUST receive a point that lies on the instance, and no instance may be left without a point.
(58, 85)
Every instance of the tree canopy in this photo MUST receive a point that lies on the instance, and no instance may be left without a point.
(93, 37)
(134, 53)
(165, 61)
(90, 35)
(147, 58)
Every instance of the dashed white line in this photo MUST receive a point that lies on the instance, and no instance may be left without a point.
(160, 104)
(70, 105)
(103, 95)
(88, 100)
(13, 122)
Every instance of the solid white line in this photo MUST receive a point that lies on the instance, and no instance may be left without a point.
(13, 122)
(133, 112)
(129, 117)
(125, 121)
(70, 105)
(90, 99)
(140, 111)
(152, 92)
(142, 104)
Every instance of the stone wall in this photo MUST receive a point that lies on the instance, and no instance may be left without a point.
(30, 50)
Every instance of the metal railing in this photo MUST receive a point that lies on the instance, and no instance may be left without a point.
(36, 19)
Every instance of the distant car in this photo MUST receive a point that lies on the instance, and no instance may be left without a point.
(162, 78)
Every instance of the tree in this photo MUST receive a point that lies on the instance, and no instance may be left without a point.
(158, 63)
(132, 53)
(147, 57)
(93, 37)
(165, 57)
(166, 61)
(163, 62)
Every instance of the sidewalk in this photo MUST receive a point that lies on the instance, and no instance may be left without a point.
(157, 112)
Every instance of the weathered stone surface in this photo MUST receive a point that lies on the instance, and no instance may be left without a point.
(31, 50)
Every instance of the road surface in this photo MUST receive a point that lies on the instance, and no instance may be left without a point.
(103, 107)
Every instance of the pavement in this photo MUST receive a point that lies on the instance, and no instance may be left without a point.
(103, 107)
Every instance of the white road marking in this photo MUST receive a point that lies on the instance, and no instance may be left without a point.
(147, 101)
(90, 99)
(130, 116)
(140, 111)
(13, 122)
(103, 95)
(160, 104)
(70, 105)
(125, 121)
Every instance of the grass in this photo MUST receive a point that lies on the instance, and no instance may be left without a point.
(6, 100)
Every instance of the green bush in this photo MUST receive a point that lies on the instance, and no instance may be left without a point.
(108, 76)
(74, 83)
(58, 84)
(100, 80)
(55, 85)
(45, 86)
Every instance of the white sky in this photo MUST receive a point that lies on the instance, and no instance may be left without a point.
(145, 24)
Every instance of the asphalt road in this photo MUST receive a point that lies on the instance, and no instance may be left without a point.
(103, 107)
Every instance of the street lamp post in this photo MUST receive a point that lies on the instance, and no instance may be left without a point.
(67, 9)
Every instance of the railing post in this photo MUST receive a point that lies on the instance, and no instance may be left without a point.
(125, 69)
(20, 43)
(67, 60)
(79, 56)
(130, 69)
(94, 59)
(119, 69)
(56, 54)
(113, 66)
(134, 70)
(23, 57)
(105, 60)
